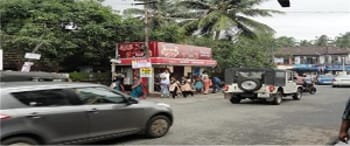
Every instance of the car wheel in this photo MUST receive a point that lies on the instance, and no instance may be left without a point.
(278, 98)
(298, 94)
(249, 85)
(157, 126)
(235, 100)
(19, 141)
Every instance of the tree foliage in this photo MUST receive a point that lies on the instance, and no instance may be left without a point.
(160, 12)
(343, 41)
(25, 24)
(229, 17)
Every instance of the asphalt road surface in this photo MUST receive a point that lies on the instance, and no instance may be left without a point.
(213, 120)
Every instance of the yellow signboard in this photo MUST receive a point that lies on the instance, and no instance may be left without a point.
(146, 72)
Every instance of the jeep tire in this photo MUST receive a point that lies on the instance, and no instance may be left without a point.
(235, 100)
(277, 100)
(249, 85)
(298, 94)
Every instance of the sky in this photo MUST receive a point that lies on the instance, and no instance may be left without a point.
(304, 20)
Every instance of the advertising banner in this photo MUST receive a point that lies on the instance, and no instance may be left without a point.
(146, 72)
(171, 50)
(162, 49)
(141, 63)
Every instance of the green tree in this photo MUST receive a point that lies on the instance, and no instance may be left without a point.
(159, 12)
(322, 41)
(305, 43)
(170, 33)
(343, 41)
(25, 24)
(244, 52)
(228, 17)
(285, 41)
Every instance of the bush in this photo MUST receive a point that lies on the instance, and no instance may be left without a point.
(99, 77)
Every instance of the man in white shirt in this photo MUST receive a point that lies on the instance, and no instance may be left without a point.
(166, 75)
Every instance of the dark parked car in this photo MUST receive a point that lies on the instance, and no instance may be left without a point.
(68, 113)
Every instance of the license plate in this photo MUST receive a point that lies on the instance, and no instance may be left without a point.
(265, 95)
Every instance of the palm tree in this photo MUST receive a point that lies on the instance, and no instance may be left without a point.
(159, 12)
(230, 17)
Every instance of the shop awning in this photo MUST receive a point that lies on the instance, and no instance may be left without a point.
(172, 61)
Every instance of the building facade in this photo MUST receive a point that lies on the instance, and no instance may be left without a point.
(313, 59)
(181, 60)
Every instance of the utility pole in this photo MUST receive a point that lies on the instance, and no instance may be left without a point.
(146, 29)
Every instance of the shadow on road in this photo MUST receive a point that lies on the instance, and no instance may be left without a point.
(118, 141)
(263, 102)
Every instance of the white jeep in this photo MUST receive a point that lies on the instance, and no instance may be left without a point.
(266, 84)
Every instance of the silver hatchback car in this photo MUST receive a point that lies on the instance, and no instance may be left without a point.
(67, 113)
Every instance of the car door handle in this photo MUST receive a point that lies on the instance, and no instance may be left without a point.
(34, 116)
(94, 110)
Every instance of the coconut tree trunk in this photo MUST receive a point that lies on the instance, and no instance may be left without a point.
(217, 35)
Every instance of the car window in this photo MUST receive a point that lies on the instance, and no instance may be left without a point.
(43, 98)
(98, 95)
(280, 74)
(290, 76)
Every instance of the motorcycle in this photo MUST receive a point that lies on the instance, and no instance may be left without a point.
(309, 87)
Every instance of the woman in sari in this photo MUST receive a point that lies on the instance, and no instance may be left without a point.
(207, 84)
(136, 88)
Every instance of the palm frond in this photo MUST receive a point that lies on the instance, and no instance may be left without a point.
(260, 12)
(193, 4)
(133, 11)
(190, 26)
(188, 15)
(245, 31)
(224, 23)
(255, 25)
(210, 18)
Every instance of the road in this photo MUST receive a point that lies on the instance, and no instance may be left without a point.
(213, 120)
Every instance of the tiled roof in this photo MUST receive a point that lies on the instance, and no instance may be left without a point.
(312, 51)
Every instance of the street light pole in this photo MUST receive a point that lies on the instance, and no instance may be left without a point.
(343, 63)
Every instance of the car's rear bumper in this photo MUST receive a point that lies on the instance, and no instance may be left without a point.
(341, 83)
(248, 95)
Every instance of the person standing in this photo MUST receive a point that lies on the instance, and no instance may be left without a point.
(117, 83)
(204, 75)
(207, 84)
(216, 84)
(166, 74)
(136, 88)
(345, 124)
(164, 87)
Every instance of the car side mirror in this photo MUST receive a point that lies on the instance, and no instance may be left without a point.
(131, 100)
